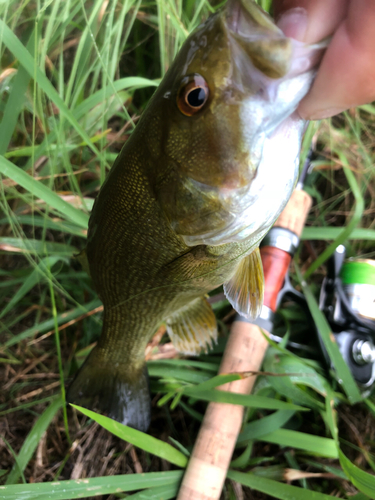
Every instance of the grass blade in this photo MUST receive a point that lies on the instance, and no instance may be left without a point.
(251, 401)
(50, 323)
(158, 493)
(32, 440)
(91, 487)
(27, 61)
(332, 233)
(138, 438)
(315, 445)
(274, 488)
(35, 277)
(362, 480)
(14, 103)
(39, 190)
(265, 425)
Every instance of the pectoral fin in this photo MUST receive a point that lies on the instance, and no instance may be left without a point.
(246, 288)
(193, 327)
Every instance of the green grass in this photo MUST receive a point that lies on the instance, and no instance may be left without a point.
(74, 78)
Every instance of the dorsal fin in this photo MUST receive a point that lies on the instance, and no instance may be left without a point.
(246, 288)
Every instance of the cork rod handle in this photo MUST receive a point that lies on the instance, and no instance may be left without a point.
(209, 462)
(294, 215)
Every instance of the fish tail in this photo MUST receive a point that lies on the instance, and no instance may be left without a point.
(120, 391)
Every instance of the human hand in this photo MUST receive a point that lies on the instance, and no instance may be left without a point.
(346, 76)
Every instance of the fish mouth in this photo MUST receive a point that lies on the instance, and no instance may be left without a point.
(258, 38)
(244, 16)
(234, 12)
(270, 51)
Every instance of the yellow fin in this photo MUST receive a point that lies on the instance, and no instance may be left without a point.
(245, 290)
(193, 327)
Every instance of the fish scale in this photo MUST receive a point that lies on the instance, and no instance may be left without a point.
(195, 188)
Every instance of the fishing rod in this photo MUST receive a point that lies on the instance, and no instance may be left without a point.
(347, 299)
(247, 344)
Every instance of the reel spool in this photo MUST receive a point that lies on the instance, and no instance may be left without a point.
(347, 299)
(358, 279)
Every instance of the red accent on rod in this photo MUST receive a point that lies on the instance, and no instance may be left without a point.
(275, 266)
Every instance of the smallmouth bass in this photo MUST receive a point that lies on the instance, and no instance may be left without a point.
(207, 171)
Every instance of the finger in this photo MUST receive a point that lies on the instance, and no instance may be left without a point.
(346, 77)
(322, 18)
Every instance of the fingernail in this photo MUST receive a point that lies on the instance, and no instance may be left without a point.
(294, 23)
(324, 113)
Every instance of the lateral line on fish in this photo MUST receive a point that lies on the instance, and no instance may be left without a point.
(179, 282)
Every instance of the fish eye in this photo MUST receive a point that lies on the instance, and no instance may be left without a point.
(192, 95)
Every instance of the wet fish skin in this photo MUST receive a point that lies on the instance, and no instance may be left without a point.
(177, 214)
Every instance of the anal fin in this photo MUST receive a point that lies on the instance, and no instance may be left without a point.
(193, 327)
(245, 290)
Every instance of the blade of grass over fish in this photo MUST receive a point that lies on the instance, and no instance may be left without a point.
(315, 445)
(27, 61)
(359, 207)
(332, 233)
(41, 191)
(265, 425)
(138, 438)
(343, 373)
(32, 440)
(274, 488)
(89, 487)
(362, 480)
(241, 399)
(50, 323)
